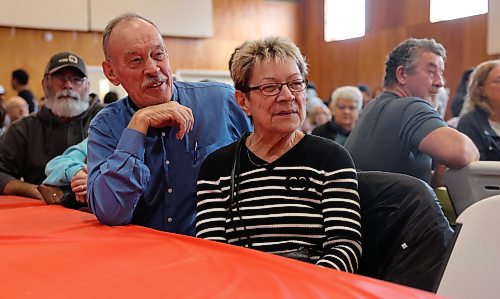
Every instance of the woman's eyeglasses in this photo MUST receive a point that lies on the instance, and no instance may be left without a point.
(272, 89)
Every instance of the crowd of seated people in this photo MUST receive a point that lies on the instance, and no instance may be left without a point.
(240, 169)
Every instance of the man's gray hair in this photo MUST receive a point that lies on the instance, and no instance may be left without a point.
(406, 54)
(111, 25)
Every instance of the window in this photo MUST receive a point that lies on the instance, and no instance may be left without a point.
(443, 10)
(344, 19)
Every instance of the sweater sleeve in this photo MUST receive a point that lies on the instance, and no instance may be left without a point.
(210, 210)
(63, 168)
(12, 154)
(341, 215)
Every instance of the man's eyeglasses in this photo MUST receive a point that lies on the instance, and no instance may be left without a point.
(61, 80)
(272, 89)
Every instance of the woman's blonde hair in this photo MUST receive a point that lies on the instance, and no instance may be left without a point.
(273, 48)
(475, 98)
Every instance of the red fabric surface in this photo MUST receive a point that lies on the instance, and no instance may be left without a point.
(53, 252)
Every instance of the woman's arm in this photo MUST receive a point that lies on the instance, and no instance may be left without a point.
(342, 217)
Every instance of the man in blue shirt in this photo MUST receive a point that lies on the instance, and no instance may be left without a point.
(145, 150)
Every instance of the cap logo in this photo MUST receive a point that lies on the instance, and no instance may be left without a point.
(70, 58)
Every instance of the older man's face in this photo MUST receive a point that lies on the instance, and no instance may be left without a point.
(66, 92)
(137, 59)
(427, 78)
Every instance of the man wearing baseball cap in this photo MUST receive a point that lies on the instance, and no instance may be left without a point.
(62, 121)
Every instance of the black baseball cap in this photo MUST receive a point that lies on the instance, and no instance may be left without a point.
(66, 59)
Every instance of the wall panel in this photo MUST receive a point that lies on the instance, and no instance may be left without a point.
(388, 23)
(186, 18)
(55, 14)
(233, 21)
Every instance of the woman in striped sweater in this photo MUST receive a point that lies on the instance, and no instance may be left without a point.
(293, 194)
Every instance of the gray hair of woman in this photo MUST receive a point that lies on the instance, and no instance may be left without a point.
(273, 48)
(475, 98)
(348, 93)
(406, 54)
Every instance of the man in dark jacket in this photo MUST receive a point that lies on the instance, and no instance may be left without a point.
(62, 121)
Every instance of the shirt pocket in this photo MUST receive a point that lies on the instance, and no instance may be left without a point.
(198, 150)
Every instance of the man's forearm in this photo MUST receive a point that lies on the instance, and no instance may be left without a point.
(17, 187)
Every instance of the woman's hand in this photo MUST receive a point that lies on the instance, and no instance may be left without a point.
(79, 185)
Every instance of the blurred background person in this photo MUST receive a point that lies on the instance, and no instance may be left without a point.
(312, 99)
(3, 116)
(110, 97)
(481, 122)
(441, 101)
(345, 105)
(2, 94)
(377, 91)
(16, 108)
(458, 99)
(319, 116)
(365, 91)
(19, 83)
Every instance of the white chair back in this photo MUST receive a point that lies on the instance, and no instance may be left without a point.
(473, 268)
(474, 182)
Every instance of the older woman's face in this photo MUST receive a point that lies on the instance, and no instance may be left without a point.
(279, 114)
(491, 87)
(345, 113)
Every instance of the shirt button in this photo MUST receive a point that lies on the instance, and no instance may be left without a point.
(170, 219)
(163, 134)
(169, 190)
(167, 162)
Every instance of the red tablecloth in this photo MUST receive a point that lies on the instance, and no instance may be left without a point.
(53, 252)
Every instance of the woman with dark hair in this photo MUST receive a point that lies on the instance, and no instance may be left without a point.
(458, 100)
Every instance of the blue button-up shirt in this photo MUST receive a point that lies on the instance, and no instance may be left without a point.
(151, 180)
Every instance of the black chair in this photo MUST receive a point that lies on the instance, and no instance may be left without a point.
(405, 233)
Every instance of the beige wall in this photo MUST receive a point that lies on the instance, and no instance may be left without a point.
(234, 21)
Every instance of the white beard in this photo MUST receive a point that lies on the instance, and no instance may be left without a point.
(67, 108)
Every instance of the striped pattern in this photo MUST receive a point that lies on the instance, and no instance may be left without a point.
(307, 198)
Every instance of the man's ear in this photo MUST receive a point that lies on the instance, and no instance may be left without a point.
(242, 100)
(109, 73)
(401, 74)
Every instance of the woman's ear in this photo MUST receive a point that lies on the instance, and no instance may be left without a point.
(109, 73)
(242, 100)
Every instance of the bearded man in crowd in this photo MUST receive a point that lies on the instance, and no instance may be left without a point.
(62, 121)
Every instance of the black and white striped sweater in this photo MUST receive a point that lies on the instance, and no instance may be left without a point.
(306, 198)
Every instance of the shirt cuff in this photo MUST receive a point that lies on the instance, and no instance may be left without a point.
(132, 142)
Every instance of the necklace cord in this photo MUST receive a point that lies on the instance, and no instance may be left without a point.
(235, 169)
